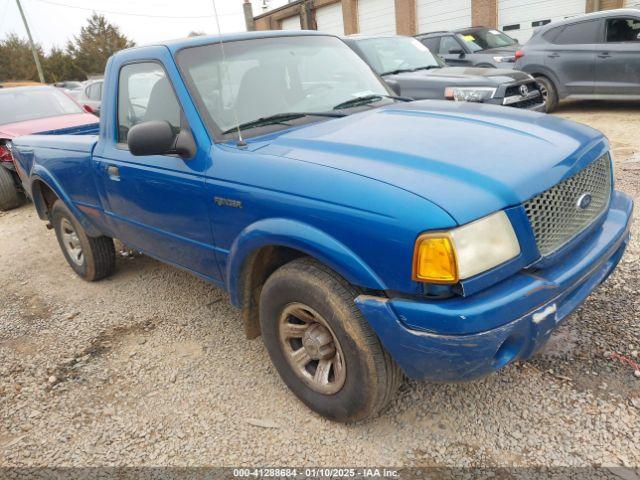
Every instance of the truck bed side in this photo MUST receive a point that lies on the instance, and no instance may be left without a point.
(63, 164)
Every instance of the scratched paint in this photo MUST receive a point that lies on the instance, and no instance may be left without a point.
(540, 316)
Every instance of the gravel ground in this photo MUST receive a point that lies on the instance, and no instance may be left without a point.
(151, 367)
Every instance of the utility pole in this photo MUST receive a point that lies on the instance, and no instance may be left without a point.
(33, 46)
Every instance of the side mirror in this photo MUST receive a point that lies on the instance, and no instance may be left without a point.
(395, 86)
(457, 51)
(156, 137)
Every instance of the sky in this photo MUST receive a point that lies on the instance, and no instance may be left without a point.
(54, 22)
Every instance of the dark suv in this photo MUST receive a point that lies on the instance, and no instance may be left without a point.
(410, 69)
(473, 47)
(593, 56)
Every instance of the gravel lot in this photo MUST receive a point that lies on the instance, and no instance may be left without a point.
(151, 367)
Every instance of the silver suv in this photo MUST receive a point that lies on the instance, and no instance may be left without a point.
(472, 47)
(593, 56)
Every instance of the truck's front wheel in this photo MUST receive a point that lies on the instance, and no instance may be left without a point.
(10, 197)
(93, 258)
(322, 347)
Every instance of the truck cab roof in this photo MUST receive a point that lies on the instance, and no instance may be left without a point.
(180, 43)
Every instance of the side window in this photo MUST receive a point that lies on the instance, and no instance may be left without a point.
(145, 93)
(551, 34)
(432, 43)
(447, 44)
(579, 33)
(623, 30)
(93, 91)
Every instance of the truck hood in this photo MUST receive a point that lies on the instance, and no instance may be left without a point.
(41, 125)
(461, 76)
(470, 159)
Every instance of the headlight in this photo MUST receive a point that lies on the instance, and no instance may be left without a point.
(510, 59)
(461, 253)
(469, 94)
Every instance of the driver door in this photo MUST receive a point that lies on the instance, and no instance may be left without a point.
(453, 52)
(155, 203)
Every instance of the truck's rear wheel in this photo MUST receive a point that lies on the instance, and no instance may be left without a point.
(322, 347)
(92, 258)
(10, 197)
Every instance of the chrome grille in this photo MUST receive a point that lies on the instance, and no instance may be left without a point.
(555, 214)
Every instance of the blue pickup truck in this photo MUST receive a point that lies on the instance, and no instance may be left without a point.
(363, 235)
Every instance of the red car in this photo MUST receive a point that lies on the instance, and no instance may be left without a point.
(28, 110)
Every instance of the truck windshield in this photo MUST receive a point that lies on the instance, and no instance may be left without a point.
(270, 76)
(486, 39)
(388, 55)
(21, 104)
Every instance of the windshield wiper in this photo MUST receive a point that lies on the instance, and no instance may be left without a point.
(281, 118)
(363, 100)
(404, 70)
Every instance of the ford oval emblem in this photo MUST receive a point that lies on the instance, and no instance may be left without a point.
(584, 201)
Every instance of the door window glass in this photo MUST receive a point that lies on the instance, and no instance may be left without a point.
(623, 30)
(551, 34)
(432, 43)
(145, 94)
(94, 91)
(447, 44)
(579, 33)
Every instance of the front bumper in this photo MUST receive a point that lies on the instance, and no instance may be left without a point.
(530, 306)
(533, 105)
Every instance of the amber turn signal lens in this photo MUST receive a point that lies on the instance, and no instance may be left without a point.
(435, 260)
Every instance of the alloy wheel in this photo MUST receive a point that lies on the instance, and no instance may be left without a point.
(312, 349)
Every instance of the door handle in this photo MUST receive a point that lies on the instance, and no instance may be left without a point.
(113, 172)
(604, 55)
(554, 55)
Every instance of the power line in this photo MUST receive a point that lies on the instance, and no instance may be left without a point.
(129, 14)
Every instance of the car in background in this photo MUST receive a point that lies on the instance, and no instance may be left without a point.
(593, 56)
(33, 109)
(90, 96)
(410, 69)
(68, 85)
(473, 47)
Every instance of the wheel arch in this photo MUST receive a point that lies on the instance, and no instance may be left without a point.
(266, 245)
(44, 193)
(542, 71)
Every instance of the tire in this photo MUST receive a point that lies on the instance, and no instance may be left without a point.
(10, 197)
(549, 93)
(356, 388)
(97, 256)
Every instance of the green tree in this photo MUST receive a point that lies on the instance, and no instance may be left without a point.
(59, 66)
(97, 41)
(16, 59)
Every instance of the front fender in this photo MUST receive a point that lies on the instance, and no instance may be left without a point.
(299, 236)
(40, 174)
